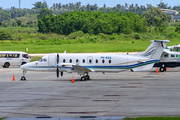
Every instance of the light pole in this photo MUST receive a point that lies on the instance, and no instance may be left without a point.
(19, 4)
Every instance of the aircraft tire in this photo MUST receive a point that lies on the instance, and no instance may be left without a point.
(83, 78)
(162, 69)
(87, 77)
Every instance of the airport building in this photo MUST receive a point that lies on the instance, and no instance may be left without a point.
(175, 14)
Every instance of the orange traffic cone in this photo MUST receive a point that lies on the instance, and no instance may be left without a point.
(72, 79)
(157, 70)
(13, 78)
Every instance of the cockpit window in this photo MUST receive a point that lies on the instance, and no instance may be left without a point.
(42, 60)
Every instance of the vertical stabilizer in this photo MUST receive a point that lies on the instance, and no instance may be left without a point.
(155, 50)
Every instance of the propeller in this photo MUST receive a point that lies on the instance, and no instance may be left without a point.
(57, 70)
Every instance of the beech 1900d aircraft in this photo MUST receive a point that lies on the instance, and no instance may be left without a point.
(85, 63)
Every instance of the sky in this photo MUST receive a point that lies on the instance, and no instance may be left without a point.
(109, 3)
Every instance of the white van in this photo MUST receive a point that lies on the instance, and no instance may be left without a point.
(12, 58)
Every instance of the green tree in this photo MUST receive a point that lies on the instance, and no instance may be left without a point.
(152, 13)
(4, 16)
(44, 12)
(162, 5)
(177, 29)
(39, 5)
(160, 26)
(19, 22)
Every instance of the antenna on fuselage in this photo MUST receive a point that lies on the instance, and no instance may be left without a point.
(64, 51)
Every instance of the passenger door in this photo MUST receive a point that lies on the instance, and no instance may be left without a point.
(52, 61)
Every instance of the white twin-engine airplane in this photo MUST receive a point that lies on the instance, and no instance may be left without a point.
(85, 63)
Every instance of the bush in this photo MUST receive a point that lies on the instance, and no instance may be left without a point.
(137, 36)
(5, 36)
(172, 35)
(76, 34)
(177, 29)
(112, 37)
(19, 22)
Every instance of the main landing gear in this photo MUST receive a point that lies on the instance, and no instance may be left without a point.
(86, 77)
(162, 68)
(23, 78)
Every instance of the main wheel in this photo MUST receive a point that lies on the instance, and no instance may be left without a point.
(83, 78)
(6, 65)
(87, 77)
(162, 69)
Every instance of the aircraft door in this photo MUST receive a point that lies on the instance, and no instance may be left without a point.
(127, 58)
(89, 59)
(51, 61)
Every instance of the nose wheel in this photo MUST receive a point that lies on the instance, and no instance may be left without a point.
(23, 78)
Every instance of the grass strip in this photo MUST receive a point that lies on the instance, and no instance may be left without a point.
(153, 118)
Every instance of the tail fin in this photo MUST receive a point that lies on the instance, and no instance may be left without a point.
(155, 50)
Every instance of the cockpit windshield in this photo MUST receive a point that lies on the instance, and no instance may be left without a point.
(42, 60)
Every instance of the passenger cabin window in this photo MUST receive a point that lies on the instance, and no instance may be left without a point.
(96, 61)
(109, 61)
(77, 60)
(64, 60)
(90, 60)
(177, 55)
(70, 60)
(166, 55)
(83, 60)
(103, 61)
(172, 55)
(5, 55)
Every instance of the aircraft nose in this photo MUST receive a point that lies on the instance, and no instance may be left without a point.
(23, 66)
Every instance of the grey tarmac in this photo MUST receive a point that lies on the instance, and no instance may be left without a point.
(130, 94)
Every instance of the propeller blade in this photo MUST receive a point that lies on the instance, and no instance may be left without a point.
(57, 72)
(61, 73)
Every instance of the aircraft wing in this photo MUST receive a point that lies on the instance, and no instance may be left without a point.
(80, 69)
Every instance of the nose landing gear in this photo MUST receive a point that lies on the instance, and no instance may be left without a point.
(23, 78)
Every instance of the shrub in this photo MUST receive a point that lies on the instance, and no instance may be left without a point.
(112, 37)
(172, 35)
(19, 22)
(177, 29)
(75, 34)
(5, 36)
(137, 36)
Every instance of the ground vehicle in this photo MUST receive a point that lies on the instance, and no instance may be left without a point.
(13, 58)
